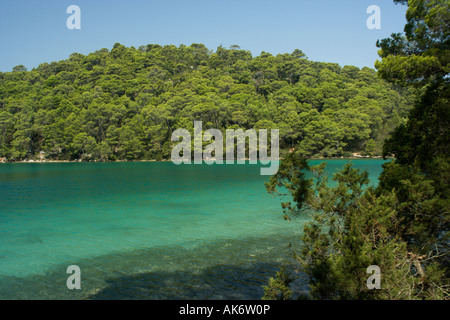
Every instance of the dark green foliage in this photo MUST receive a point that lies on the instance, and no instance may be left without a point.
(124, 103)
(352, 226)
(421, 172)
(291, 178)
(278, 287)
(402, 226)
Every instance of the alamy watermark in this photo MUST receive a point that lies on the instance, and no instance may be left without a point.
(374, 21)
(235, 139)
(74, 21)
(374, 281)
(74, 280)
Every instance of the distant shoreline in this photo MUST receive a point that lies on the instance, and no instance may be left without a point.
(152, 160)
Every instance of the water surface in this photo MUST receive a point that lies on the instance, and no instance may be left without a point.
(143, 230)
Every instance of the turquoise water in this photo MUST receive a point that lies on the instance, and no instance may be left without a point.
(143, 230)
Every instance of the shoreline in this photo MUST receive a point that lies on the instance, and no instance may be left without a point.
(152, 160)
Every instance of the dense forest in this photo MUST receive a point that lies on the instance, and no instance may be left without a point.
(124, 103)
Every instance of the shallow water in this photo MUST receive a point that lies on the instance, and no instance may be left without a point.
(143, 230)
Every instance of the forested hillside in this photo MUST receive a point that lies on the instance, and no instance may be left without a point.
(124, 103)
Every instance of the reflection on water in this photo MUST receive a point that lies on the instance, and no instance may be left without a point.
(232, 269)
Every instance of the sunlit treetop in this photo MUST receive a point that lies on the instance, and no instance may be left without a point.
(422, 53)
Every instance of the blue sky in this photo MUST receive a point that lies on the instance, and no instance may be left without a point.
(33, 32)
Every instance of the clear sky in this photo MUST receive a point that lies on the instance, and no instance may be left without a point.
(33, 32)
